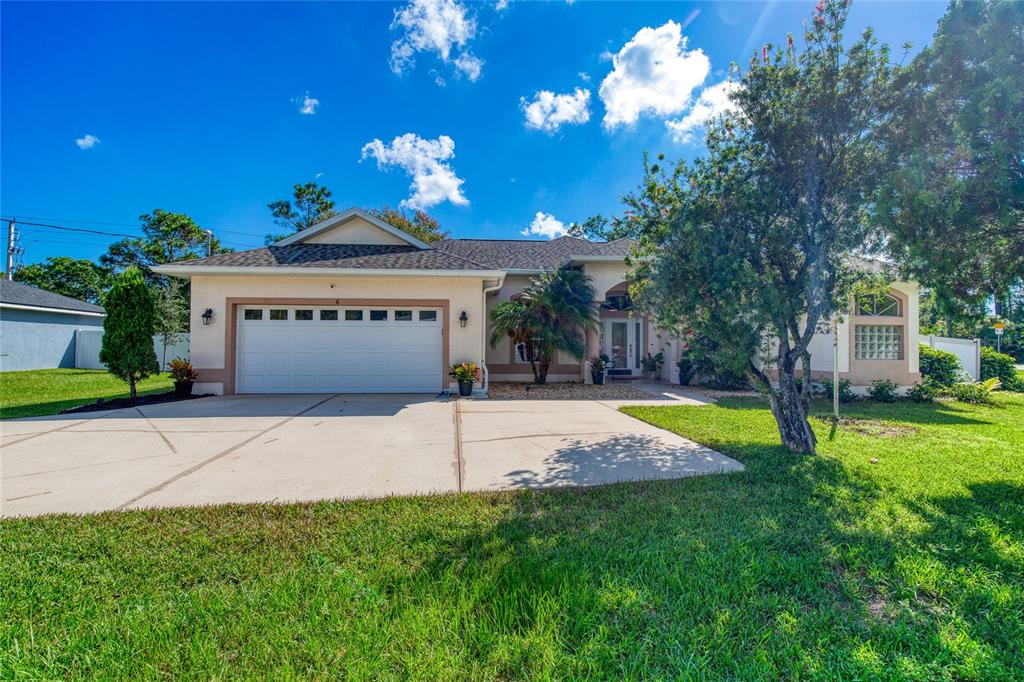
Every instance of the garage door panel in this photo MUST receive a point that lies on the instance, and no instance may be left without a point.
(339, 356)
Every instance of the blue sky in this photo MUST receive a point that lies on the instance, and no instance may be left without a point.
(111, 110)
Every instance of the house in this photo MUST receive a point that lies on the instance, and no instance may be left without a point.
(355, 305)
(38, 327)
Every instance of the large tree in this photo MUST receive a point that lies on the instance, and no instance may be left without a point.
(750, 245)
(420, 224)
(954, 202)
(167, 238)
(552, 314)
(75, 277)
(127, 347)
(310, 204)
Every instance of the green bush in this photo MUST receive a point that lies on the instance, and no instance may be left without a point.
(995, 365)
(883, 390)
(978, 392)
(127, 346)
(923, 392)
(940, 367)
(846, 394)
(686, 369)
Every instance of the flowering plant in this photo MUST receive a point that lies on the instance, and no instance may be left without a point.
(181, 370)
(466, 371)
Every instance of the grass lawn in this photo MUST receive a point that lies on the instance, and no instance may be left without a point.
(898, 553)
(37, 392)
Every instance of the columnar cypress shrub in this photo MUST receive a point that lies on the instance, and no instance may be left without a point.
(127, 349)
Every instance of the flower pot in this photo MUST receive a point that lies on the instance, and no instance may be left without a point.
(598, 378)
(465, 387)
(183, 389)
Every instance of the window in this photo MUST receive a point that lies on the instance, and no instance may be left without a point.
(353, 315)
(253, 314)
(878, 342)
(878, 305)
(403, 316)
(378, 316)
(523, 351)
(617, 302)
(278, 314)
(305, 315)
(428, 316)
(328, 315)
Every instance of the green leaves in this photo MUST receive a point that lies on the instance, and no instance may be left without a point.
(127, 348)
(75, 277)
(313, 204)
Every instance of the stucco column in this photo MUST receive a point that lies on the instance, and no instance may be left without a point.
(593, 346)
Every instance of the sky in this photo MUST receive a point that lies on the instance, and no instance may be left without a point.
(506, 119)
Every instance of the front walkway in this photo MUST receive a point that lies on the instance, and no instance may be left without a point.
(283, 448)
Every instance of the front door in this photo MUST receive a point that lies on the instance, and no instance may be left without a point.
(622, 339)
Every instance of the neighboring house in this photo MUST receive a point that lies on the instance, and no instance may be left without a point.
(37, 327)
(356, 305)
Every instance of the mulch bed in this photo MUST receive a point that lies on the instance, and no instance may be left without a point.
(140, 401)
(502, 390)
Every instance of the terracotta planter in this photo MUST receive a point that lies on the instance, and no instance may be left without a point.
(465, 387)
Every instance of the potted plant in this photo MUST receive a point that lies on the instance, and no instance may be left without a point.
(466, 373)
(687, 368)
(651, 363)
(597, 370)
(184, 376)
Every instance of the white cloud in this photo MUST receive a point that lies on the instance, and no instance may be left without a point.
(501, 5)
(440, 26)
(548, 111)
(426, 161)
(87, 142)
(714, 101)
(584, 76)
(653, 73)
(546, 225)
(309, 105)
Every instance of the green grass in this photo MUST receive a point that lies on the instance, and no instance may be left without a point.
(908, 567)
(37, 392)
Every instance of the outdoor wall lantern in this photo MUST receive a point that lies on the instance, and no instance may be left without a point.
(463, 319)
(207, 316)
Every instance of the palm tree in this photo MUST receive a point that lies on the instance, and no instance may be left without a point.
(552, 314)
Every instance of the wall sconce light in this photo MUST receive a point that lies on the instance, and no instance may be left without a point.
(207, 316)
(463, 319)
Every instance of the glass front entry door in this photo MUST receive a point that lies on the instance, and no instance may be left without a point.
(622, 344)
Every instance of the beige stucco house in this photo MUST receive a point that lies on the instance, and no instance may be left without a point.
(356, 305)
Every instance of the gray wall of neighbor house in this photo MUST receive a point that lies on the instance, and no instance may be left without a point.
(38, 339)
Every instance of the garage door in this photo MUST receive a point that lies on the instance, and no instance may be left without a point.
(338, 350)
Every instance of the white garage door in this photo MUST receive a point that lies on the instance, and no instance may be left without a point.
(338, 350)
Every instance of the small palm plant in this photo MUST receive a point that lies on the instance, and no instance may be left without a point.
(553, 314)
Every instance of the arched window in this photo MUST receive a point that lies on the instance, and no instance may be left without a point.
(879, 305)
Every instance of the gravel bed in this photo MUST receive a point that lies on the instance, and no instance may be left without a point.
(504, 390)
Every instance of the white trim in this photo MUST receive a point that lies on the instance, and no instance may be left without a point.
(271, 271)
(63, 311)
(344, 217)
(597, 259)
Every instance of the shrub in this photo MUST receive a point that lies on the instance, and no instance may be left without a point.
(996, 365)
(846, 394)
(923, 392)
(978, 392)
(940, 367)
(182, 370)
(883, 390)
(687, 369)
(127, 347)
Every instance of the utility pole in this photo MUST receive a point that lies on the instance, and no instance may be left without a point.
(11, 249)
(209, 243)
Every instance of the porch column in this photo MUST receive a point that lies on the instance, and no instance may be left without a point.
(593, 346)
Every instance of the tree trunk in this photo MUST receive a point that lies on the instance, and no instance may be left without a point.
(791, 415)
(131, 386)
(542, 371)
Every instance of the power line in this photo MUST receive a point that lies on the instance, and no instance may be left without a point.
(103, 233)
(97, 222)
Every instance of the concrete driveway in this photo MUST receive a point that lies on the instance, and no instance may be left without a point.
(309, 447)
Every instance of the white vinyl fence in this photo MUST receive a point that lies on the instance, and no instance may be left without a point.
(967, 351)
(89, 341)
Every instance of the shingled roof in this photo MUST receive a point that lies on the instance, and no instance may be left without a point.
(17, 293)
(448, 254)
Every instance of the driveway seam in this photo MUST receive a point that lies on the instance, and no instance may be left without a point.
(460, 463)
(77, 422)
(223, 453)
(158, 432)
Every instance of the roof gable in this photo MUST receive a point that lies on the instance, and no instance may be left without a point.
(353, 226)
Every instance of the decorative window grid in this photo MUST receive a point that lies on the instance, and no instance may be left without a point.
(874, 305)
(878, 342)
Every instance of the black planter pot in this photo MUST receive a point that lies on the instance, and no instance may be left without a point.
(598, 378)
(182, 389)
(465, 387)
